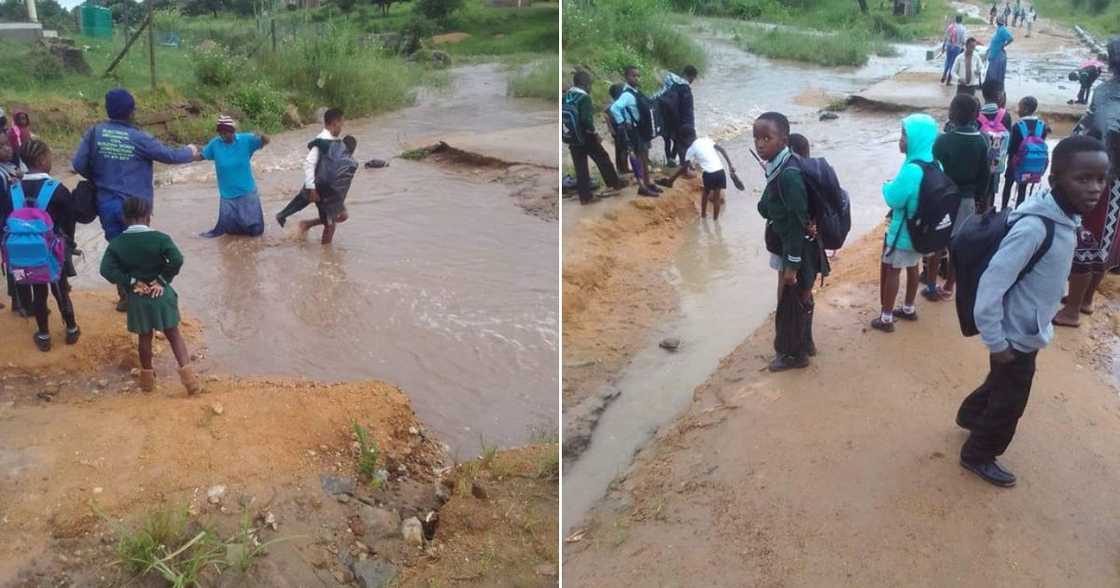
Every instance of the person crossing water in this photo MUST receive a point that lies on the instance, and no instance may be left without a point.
(239, 211)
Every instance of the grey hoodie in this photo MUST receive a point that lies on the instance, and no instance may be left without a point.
(1020, 314)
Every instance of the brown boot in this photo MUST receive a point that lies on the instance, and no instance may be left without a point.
(147, 380)
(190, 380)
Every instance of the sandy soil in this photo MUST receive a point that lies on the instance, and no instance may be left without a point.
(846, 473)
(613, 286)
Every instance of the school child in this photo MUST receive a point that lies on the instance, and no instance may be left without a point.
(40, 190)
(968, 69)
(995, 126)
(621, 163)
(332, 131)
(992, 15)
(632, 111)
(1013, 311)
(674, 100)
(1086, 76)
(795, 255)
(582, 139)
(240, 210)
(952, 46)
(1029, 154)
(706, 154)
(800, 145)
(963, 155)
(8, 176)
(919, 131)
(144, 261)
(18, 135)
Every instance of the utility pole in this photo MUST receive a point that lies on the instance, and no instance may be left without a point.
(32, 13)
(152, 40)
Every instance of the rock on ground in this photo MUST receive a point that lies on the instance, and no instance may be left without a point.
(582, 419)
(374, 573)
(379, 523)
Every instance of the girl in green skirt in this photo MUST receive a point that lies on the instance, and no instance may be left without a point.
(144, 261)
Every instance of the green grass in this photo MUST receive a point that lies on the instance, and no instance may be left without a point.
(536, 80)
(830, 15)
(821, 49)
(369, 456)
(1100, 17)
(498, 31)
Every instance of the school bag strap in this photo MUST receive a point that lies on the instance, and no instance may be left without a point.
(1047, 241)
(15, 192)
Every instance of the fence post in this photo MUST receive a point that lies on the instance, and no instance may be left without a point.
(272, 26)
(152, 41)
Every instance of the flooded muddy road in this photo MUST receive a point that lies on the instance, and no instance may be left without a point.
(439, 283)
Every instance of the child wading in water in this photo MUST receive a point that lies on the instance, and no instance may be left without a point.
(36, 155)
(1013, 309)
(796, 255)
(330, 205)
(706, 153)
(144, 261)
(901, 194)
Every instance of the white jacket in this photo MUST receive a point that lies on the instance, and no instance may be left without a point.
(312, 161)
(977, 69)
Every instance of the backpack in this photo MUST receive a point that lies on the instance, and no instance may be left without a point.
(85, 202)
(336, 168)
(938, 200)
(668, 106)
(998, 138)
(572, 131)
(829, 205)
(647, 127)
(1033, 157)
(971, 252)
(33, 253)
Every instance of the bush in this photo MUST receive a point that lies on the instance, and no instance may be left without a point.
(262, 104)
(537, 80)
(819, 48)
(45, 65)
(215, 67)
(438, 10)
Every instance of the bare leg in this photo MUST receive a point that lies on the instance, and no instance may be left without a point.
(1070, 314)
(328, 233)
(933, 266)
(704, 204)
(911, 284)
(717, 202)
(146, 351)
(951, 281)
(178, 346)
(888, 287)
(647, 178)
(307, 225)
(1094, 283)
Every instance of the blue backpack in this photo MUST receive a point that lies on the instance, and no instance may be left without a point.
(1033, 157)
(33, 253)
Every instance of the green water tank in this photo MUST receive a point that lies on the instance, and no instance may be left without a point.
(97, 21)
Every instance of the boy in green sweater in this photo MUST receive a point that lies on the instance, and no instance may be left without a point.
(796, 255)
(582, 140)
(963, 155)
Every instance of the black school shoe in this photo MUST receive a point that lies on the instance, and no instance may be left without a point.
(991, 472)
(783, 363)
(643, 192)
(43, 341)
(72, 335)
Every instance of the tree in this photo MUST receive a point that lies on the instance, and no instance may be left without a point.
(863, 6)
(384, 5)
(438, 9)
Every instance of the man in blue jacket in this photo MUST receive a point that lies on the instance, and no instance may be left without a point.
(117, 157)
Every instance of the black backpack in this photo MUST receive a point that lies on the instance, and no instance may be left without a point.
(829, 205)
(668, 105)
(971, 252)
(647, 126)
(336, 168)
(571, 131)
(938, 200)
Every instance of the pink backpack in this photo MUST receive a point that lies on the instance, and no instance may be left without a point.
(998, 138)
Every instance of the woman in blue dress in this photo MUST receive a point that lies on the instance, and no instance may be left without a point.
(997, 52)
(232, 153)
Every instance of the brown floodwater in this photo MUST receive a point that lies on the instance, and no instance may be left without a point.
(438, 283)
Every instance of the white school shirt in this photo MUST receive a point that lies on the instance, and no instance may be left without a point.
(958, 71)
(312, 160)
(703, 151)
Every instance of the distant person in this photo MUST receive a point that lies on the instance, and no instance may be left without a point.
(9, 175)
(706, 154)
(1098, 241)
(239, 212)
(919, 131)
(1086, 76)
(1013, 310)
(995, 124)
(1029, 155)
(618, 137)
(799, 144)
(677, 111)
(997, 53)
(40, 190)
(314, 191)
(963, 155)
(3, 121)
(1019, 15)
(631, 111)
(953, 46)
(1031, 16)
(795, 255)
(582, 139)
(143, 261)
(968, 69)
(19, 135)
(992, 15)
(116, 156)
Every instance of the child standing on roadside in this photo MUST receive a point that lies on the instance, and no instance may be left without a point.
(1029, 154)
(796, 256)
(919, 131)
(1013, 310)
(995, 126)
(144, 261)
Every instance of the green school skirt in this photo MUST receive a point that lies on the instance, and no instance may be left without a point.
(147, 314)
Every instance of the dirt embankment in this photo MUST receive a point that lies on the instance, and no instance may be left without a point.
(87, 460)
(614, 288)
(846, 473)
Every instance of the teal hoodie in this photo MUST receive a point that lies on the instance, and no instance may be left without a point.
(901, 193)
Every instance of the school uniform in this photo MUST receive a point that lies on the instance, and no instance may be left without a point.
(310, 163)
(1016, 314)
(142, 254)
(60, 209)
(1017, 139)
(703, 153)
(963, 155)
(589, 147)
(968, 81)
(626, 115)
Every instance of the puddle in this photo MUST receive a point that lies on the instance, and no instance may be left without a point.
(722, 271)
(439, 283)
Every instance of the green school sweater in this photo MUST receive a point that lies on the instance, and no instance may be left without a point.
(963, 154)
(789, 214)
(585, 111)
(141, 256)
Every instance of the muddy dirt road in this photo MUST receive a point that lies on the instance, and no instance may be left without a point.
(442, 281)
(722, 289)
